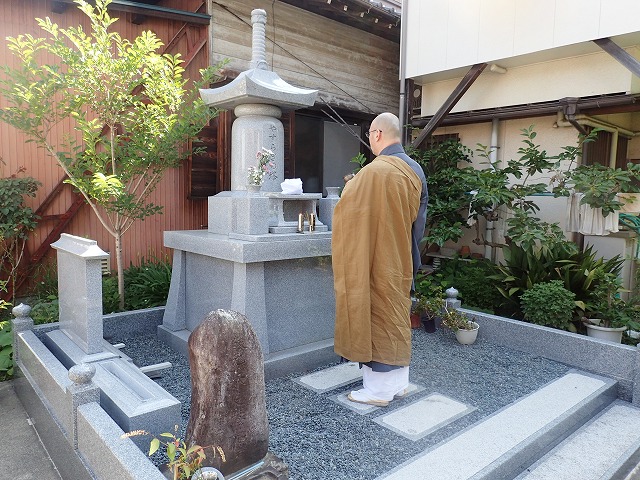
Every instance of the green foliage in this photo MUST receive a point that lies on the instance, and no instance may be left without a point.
(604, 302)
(110, 297)
(448, 180)
(598, 184)
(549, 304)
(128, 103)
(147, 285)
(455, 320)
(17, 220)
(359, 160)
(6, 341)
(473, 281)
(429, 306)
(6, 351)
(523, 268)
(459, 194)
(184, 460)
(46, 310)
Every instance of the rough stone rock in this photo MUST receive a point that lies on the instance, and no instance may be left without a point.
(228, 406)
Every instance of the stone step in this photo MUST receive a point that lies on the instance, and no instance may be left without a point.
(607, 447)
(332, 377)
(506, 443)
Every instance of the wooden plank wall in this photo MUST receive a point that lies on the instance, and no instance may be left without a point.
(145, 237)
(351, 68)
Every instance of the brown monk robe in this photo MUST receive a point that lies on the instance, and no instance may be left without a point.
(372, 263)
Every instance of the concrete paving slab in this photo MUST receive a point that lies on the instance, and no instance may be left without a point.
(593, 450)
(489, 440)
(424, 416)
(24, 457)
(331, 378)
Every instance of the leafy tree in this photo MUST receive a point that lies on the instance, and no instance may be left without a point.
(17, 220)
(128, 104)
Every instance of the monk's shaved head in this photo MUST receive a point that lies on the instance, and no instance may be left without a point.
(389, 124)
(385, 131)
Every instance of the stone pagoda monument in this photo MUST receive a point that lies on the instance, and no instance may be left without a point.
(266, 255)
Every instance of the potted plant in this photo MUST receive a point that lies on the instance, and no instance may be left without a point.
(465, 328)
(607, 315)
(429, 307)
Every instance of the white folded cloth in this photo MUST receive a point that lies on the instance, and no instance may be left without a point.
(292, 186)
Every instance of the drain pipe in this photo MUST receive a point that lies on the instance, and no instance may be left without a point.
(561, 121)
(489, 251)
(402, 70)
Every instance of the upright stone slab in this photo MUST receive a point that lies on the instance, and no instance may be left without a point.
(80, 290)
(228, 406)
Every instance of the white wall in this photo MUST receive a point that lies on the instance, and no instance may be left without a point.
(448, 34)
(580, 76)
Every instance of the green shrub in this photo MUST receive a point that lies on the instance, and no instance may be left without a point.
(110, 297)
(549, 304)
(6, 340)
(473, 281)
(147, 285)
(45, 310)
(525, 267)
(6, 351)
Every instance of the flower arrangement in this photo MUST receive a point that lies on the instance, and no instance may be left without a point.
(265, 168)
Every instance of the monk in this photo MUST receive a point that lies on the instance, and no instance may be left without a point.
(377, 226)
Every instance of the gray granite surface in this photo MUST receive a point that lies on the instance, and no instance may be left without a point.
(321, 439)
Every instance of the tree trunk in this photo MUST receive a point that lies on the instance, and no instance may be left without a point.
(120, 269)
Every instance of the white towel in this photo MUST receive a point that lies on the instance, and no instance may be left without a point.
(292, 186)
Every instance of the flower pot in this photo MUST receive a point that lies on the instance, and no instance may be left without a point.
(467, 337)
(604, 333)
(415, 320)
(429, 324)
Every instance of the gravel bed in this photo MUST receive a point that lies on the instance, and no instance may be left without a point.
(320, 439)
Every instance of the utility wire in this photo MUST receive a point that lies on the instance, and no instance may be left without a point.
(344, 124)
(224, 7)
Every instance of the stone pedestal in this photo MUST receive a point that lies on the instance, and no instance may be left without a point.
(283, 284)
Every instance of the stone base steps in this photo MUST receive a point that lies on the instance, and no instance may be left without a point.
(607, 447)
(573, 428)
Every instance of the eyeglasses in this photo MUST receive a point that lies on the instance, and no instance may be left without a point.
(367, 134)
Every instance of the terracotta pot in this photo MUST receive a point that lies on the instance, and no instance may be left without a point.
(415, 320)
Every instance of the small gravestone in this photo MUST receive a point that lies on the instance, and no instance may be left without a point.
(228, 406)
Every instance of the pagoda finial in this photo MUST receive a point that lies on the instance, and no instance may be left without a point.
(258, 43)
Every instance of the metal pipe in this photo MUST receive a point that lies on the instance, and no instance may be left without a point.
(402, 71)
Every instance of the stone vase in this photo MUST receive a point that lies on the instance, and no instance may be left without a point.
(253, 189)
(333, 192)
